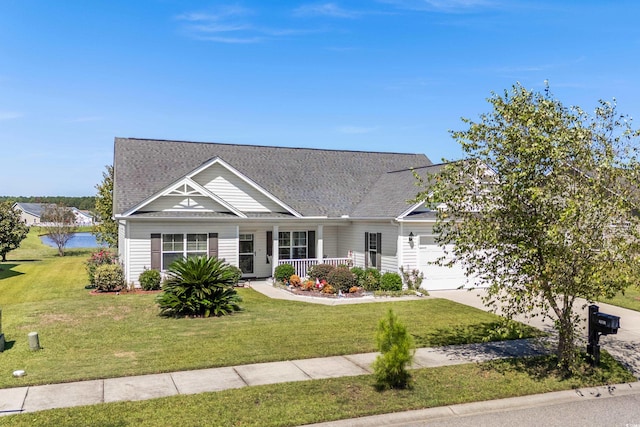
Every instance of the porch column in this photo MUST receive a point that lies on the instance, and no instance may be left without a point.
(276, 252)
(319, 243)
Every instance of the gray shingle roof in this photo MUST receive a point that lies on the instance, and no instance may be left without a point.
(313, 182)
(392, 193)
(35, 209)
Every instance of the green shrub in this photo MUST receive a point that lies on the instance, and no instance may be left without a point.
(359, 273)
(283, 272)
(237, 274)
(150, 280)
(412, 278)
(342, 279)
(320, 271)
(391, 282)
(396, 354)
(97, 258)
(108, 277)
(199, 286)
(370, 280)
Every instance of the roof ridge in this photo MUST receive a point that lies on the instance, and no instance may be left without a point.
(277, 147)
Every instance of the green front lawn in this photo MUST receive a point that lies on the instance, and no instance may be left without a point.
(630, 299)
(88, 336)
(98, 336)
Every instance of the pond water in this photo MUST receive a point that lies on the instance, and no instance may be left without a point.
(78, 240)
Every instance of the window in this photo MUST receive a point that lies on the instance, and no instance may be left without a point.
(176, 246)
(292, 245)
(373, 250)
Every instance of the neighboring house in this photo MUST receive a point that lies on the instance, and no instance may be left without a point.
(82, 217)
(31, 213)
(258, 207)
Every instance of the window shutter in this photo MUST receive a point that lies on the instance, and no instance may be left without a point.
(311, 244)
(213, 245)
(379, 250)
(269, 243)
(366, 250)
(156, 251)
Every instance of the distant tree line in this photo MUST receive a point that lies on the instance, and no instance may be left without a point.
(87, 203)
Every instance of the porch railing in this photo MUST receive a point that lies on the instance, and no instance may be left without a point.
(302, 265)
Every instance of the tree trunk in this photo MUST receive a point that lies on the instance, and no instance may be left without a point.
(566, 351)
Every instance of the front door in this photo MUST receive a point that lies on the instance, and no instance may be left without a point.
(246, 253)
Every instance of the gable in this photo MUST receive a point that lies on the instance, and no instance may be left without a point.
(228, 186)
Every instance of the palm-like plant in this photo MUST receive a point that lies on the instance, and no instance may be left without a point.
(199, 286)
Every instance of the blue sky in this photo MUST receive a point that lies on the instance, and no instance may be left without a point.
(385, 75)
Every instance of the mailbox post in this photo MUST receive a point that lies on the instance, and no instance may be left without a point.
(599, 324)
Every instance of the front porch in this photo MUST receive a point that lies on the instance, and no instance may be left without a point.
(301, 266)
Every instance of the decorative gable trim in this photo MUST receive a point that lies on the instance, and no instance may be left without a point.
(245, 179)
(185, 187)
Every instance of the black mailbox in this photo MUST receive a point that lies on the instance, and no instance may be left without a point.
(607, 323)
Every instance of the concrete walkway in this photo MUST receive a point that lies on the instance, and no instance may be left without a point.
(37, 398)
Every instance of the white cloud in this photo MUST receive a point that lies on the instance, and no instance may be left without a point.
(230, 24)
(326, 9)
(85, 119)
(445, 6)
(353, 130)
(10, 115)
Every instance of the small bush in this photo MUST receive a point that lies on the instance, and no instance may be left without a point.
(391, 282)
(354, 289)
(328, 289)
(109, 277)
(150, 280)
(412, 278)
(101, 257)
(320, 271)
(294, 280)
(308, 285)
(283, 272)
(359, 273)
(342, 279)
(237, 274)
(370, 280)
(397, 349)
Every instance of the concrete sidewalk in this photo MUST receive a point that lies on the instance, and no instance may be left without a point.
(37, 398)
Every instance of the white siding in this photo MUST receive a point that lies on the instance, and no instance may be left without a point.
(330, 242)
(139, 242)
(410, 251)
(233, 190)
(352, 238)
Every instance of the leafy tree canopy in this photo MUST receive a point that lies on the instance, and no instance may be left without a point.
(544, 207)
(60, 223)
(106, 229)
(12, 229)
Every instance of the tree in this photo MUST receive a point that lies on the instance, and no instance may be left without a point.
(396, 354)
(12, 229)
(544, 207)
(106, 230)
(60, 223)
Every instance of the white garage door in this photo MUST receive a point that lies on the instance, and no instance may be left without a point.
(435, 276)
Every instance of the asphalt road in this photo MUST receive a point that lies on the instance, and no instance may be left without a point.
(617, 411)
